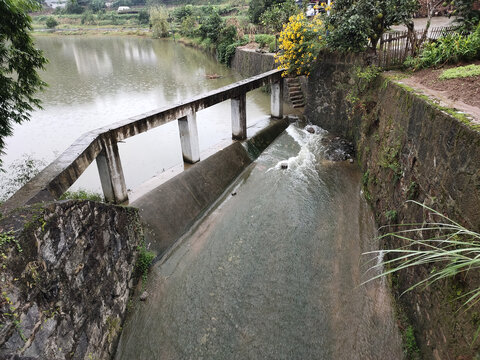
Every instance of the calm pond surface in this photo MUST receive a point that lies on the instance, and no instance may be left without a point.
(95, 81)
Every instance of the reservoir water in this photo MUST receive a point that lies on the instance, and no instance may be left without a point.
(94, 81)
(274, 272)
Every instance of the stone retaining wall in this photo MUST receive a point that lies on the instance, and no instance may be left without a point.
(408, 149)
(65, 279)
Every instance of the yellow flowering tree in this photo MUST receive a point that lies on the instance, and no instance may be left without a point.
(300, 42)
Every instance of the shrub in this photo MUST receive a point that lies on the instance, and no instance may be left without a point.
(143, 17)
(159, 21)
(188, 26)
(452, 48)
(144, 261)
(264, 40)
(51, 22)
(300, 42)
(88, 18)
(73, 7)
(183, 12)
(211, 27)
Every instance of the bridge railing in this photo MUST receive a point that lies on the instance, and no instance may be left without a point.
(101, 144)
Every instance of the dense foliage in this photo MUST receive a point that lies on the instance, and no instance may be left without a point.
(467, 17)
(51, 22)
(258, 7)
(277, 15)
(19, 62)
(449, 49)
(300, 42)
(356, 25)
(159, 21)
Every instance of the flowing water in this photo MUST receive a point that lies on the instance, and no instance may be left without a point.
(274, 272)
(95, 81)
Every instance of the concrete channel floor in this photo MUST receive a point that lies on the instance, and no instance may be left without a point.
(274, 272)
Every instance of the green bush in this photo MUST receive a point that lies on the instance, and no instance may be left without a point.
(73, 7)
(452, 48)
(211, 27)
(188, 26)
(88, 18)
(264, 40)
(143, 17)
(144, 261)
(159, 22)
(51, 22)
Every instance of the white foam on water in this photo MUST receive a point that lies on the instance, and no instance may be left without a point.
(303, 165)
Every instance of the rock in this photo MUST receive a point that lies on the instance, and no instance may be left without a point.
(144, 296)
(338, 149)
(310, 129)
(350, 161)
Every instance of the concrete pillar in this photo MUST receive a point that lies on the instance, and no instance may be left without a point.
(239, 117)
(276, 104)
(111, 173)
(189, 138)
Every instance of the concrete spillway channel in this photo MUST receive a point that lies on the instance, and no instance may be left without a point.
(273, 271)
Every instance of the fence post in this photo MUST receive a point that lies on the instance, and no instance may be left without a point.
(111, 172)
(239, 117)
(189, 138)
(276, 102)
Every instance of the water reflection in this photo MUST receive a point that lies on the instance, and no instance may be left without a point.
(95, 81)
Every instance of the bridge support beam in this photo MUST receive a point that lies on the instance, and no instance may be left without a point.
(189, 138)
(111, 173)
(276, 102)
(239, 117)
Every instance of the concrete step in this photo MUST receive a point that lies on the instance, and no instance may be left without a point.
(298, 103)
(298, 106)
(294, 93)
(296, 98)
(294, 88)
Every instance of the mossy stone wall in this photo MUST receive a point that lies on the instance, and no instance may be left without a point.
(408, 149)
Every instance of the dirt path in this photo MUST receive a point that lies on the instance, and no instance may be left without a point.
(462, 95)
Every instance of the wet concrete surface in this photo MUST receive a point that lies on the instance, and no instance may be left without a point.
(274, 272)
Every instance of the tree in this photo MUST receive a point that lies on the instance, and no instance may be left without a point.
(211, 26)
(358, 24)
(73, 7)
(159, 21)
(19, 62)
(277, 15)
(466, 15)
(258, 7)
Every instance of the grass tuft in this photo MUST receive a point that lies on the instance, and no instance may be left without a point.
(460, 72)
(444, 243)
